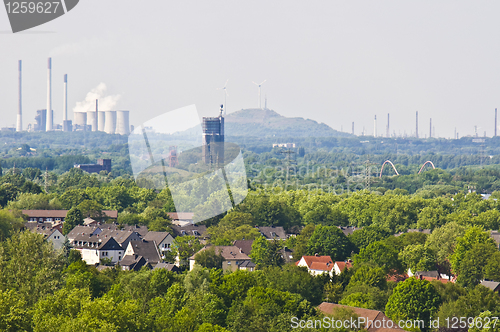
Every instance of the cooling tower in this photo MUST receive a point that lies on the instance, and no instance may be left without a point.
(91, 119)
(80, 119)
(101, 120)
(122, 125)
(110, 122)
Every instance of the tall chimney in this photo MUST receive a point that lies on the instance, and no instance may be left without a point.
(387, 129)
(375, 127)
(416, 132)
(430, 128)
(50, 120)
(19, 126)
(65, 98)
(495, 122)
(96, 120)
(353, 127)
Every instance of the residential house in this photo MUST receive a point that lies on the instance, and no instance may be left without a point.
(105, 231)
(163, 240)
(232, 255)
(146, 249)
(94, 248)
(415, 230)
(51, 233)
(317, 265)
(198, 231)
(340, 266)
(273, 232)
(133, 263)
(58, 215)
(375, 321)
(181, 218)
(167, 266)
(431, 275)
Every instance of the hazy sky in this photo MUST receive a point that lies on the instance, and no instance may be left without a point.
(330, 61)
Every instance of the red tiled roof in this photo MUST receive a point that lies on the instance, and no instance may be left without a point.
(323, 263)
(343, 265)
(61, 213)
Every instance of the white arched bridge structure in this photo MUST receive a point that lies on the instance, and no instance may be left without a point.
(428, 162)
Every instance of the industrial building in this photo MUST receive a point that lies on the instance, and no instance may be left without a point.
(102, 165)
(213, 140)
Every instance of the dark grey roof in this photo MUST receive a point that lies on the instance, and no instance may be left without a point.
(244, 245)
(167, 266)
(157, 237)
(195, 230)
(146, 249)
(142, 230)
(273, 232)
(493, 285)
(99, 244)
(247, 264)
(133, 262)
(432, 274)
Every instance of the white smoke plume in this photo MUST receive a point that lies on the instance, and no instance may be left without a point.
(106, 103)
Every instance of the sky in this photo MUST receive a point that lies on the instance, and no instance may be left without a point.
(331, 61)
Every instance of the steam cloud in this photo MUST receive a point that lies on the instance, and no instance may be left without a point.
(106, 103)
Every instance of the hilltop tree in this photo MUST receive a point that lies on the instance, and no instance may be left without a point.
(330, 241)
(413, 299)
(73, 218)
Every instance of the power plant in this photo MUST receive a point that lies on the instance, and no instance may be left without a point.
(109, 121)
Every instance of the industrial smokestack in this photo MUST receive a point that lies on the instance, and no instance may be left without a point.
(65, 98)
(416, 130)
(122, 122)
(495, 122)
(387, 129)
(110, 122)
(19, 126)
(375, 127)
(353, 127)
(430, 128)
(95, 125)
(50, 119)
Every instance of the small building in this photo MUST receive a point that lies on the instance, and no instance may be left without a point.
(102, 165)
(232, 256)
(51, 233)
(181, 218)
(198, 231)
(168, 267)
(317, 265)
(340, 266)
(493, 285)
(348, 230)
(163, 240)
(133, 263)
(58, 215)
(273, 232)
(146, 249)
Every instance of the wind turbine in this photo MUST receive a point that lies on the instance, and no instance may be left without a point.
(259, 85)
(225, 96)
